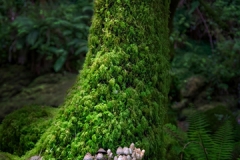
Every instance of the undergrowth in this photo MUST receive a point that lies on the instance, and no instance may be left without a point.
(198, 142)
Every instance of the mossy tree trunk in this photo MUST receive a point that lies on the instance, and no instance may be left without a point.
(120, 96)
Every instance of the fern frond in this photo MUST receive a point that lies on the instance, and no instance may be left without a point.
(173, 141)
(200, 143)
(175, 133)
(223, 140)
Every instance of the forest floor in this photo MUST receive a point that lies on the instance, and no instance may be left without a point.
(19, 87)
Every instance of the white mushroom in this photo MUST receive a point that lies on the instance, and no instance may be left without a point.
(35, 158)
(119, 151)
(110, 156)
(109, 151)
(134, 155)
(138, 156)
(142, 153)
(132, 146)
(88, 156)
(126, 151)
(101, 150)
(120, 158)
(124, 157)
(99, 156)
(129, 157)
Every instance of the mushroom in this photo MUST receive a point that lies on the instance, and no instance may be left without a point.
(110, 156)
(99, 156)
(132, 146)
(126, 151)
(101, 150)
(88, 156)
(130, 151)
(124, 157)
(129, 157)
(120, 158)
(138, 156)
(142, 153)
(109, 151)
(134, 154)
(35, 158)
(119, 151)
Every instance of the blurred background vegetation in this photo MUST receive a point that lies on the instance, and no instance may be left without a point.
(50, 36)
(44, 34)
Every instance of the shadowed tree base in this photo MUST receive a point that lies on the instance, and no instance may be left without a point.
(121, 95)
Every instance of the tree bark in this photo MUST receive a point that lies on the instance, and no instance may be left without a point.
(121, 94)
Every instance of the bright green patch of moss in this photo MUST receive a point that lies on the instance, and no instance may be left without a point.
(21, 129)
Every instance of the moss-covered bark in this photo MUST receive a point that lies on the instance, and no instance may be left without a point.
(121, 95)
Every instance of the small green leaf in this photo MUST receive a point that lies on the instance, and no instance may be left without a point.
(59, 63)
(83, 49)
(32, 37)
(94, 138)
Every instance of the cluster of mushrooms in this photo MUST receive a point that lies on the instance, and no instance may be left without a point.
(124, 153)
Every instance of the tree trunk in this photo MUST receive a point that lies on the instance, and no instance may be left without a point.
(121, 94)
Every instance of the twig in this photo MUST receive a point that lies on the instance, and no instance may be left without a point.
(206, 26)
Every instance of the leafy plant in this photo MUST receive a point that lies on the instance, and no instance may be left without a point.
(203, 41)
(51, 34)
(174, 139)
(204, 146)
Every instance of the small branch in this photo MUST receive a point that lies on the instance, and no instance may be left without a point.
(206, 26)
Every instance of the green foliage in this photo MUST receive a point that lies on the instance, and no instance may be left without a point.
(51, 33)
(197, 59)
(174, 140)
(217, 58)
(223, 140)
(204, 146)
(199, 142)
(21, 129)
(217, 116)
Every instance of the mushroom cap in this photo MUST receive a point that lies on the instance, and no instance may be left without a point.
(99, 156)
(101, 150)
(110, 155)
(35, 158)
(124, 157)
(132, 146)
(120, 158)
(138, 150)
(130, 151)
(143, 151)
(108, 151)
(88, 156)
(119, 150)
(129, 157)
(126, 151)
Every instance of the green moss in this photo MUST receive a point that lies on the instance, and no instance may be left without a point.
(21, 129)
(121, 95)
(7, 156)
